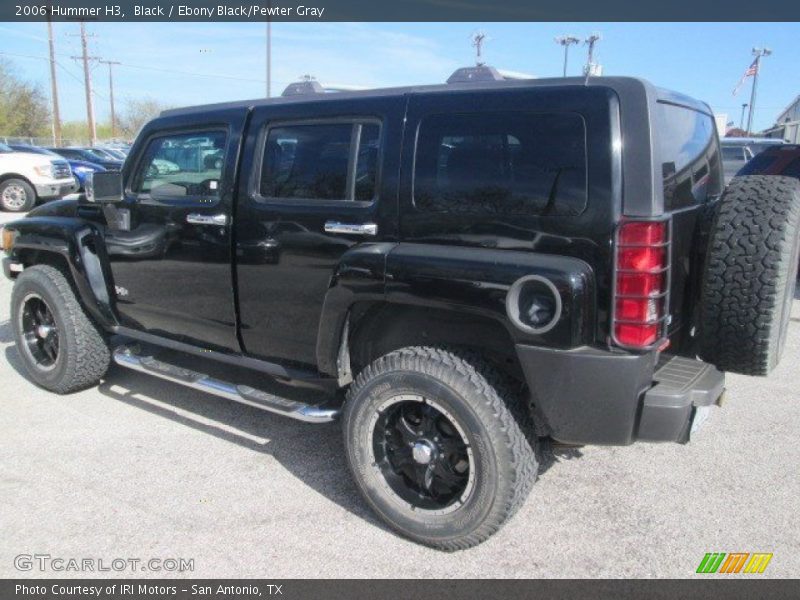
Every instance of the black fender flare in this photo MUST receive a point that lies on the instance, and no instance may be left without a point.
(80, 244)
(468, 280)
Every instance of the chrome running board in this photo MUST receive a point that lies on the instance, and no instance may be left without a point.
(309, 413)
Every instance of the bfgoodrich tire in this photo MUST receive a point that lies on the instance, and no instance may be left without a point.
(750, 274)
(61, 348)
(440, 448)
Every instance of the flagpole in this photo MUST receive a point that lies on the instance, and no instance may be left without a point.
(758, 52)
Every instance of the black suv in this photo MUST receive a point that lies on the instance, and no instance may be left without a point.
(463, 273)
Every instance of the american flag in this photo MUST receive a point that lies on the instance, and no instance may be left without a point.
(751, 71)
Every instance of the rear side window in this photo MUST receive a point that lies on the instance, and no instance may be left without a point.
(689, 151)
(733, 152)
(792, 169)
(321, 161)
(760, 163)
(501, 163)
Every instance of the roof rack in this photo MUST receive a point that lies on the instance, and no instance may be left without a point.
(308, 84)
(480, 73)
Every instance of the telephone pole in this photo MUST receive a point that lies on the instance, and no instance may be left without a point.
(110, 64)
(87, 82)
(759, 53)
(566, 41)
(54, 86)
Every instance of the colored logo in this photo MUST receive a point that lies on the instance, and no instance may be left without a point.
(734, 562)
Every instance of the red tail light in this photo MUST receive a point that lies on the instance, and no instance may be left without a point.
(641, 286)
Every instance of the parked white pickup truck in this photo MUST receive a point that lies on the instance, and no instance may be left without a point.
(26, 178)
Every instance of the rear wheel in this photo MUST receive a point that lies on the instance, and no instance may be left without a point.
(61, 348)
(750, 274)
(439, 446)
(17, 195)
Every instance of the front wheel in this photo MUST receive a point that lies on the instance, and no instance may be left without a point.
(17, 195)
(62, 349)
(439, 447)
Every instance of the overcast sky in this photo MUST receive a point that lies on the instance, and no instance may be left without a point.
(194, 63)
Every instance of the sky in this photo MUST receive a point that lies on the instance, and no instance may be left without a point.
(182, 64)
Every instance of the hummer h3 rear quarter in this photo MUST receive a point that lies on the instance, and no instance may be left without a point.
(464, 271)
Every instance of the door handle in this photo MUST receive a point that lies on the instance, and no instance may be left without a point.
(198, 219)
(351, 228)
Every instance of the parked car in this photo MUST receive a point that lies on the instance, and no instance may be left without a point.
(775, 160)
(109, 164)
(80, 168)
(736, 152)
(111, 152)
(463, 273)
(28, 177)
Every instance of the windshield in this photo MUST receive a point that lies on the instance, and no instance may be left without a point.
(4, 148)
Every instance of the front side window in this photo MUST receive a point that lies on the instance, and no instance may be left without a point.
(321, 161)
(501, 163)
(185, 164)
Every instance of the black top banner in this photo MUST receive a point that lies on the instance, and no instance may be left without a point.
(399, 10)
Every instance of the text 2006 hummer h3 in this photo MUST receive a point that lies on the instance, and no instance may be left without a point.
(461, 272)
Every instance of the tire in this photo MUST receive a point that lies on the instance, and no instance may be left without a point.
(17, 195)
(750, 274)
(472, 399)
(81, 356)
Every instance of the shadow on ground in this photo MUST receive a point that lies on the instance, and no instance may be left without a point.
(314, 454)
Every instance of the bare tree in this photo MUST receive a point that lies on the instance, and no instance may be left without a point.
(138, 111)
(24, 110)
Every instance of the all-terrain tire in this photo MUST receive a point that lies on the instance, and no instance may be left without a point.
(496, 425)
(83, 353)
(17, 195)
(749, 278)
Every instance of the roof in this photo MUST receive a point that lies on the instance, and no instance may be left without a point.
(788, 108)
(615, 83)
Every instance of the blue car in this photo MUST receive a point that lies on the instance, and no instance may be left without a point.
(80, 168)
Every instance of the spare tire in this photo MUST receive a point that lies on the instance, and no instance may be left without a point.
(749, 277)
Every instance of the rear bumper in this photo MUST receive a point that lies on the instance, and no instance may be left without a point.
(594, 396)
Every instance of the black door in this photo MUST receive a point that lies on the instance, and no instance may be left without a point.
(173, 269)
(314, 188)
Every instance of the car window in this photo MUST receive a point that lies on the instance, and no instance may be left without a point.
(793, 168)
(185, 164)
(501, 163)
(759, 163)
(732, 153)
(321, 161)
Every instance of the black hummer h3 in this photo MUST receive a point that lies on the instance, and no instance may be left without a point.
(464, 272)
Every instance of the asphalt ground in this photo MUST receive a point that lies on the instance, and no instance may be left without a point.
(142, 468)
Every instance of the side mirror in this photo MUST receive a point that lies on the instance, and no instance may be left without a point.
(104, 187)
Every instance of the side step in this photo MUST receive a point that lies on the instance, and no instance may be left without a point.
(125, 357)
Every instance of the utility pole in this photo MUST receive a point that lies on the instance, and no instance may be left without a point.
(54, 86)
(87, 82)
(591, 68)
(269, 57)
(110, 64)
(566, 41)
(741, 119)
(759, 53)
(478, 39)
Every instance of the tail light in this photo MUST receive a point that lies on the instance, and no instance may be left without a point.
(642, 283)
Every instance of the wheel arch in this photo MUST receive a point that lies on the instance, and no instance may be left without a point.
(75, 247)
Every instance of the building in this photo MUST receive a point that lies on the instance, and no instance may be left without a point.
(787, 125)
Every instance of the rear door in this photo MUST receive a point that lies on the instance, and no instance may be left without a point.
(319, 179)
(173, 269)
